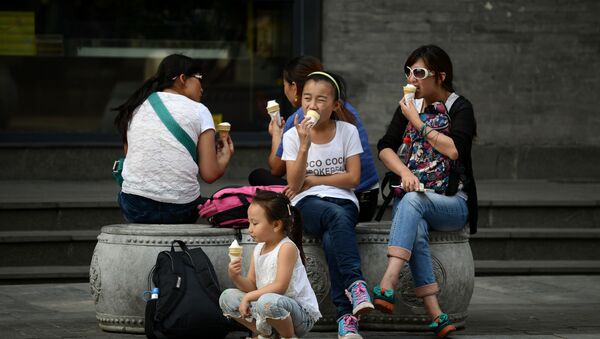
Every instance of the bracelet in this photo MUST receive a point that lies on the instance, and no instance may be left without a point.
(427, 133)
(422, 129)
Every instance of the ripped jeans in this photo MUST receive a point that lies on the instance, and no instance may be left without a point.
(268, 306)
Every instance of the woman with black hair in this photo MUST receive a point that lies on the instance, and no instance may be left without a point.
(438, 188)
(160, 174)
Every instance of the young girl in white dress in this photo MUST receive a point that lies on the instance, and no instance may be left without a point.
(275, 295)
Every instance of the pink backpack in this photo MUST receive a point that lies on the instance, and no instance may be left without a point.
(228, 207)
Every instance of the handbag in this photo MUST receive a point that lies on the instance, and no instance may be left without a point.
(228, 207)
(173, 127)
(431, 167)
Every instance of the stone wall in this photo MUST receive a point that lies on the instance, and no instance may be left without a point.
(530, 68)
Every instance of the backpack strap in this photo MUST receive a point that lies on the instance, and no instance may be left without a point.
(209, 279)
(167, 119)
(176, 293)
(386, 198)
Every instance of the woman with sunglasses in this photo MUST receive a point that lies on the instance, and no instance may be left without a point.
(429, 69)
(294, 76)
(160, 175)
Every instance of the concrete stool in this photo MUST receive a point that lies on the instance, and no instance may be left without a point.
(125, 255)
(452, 265)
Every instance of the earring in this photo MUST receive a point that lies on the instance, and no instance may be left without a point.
(295, 98)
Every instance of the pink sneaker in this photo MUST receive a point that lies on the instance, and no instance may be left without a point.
(359, 296)
(348, 327)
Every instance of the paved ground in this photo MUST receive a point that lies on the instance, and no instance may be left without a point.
(502, 307)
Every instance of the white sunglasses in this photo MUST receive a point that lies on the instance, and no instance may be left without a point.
(418, 72)
(197, 76)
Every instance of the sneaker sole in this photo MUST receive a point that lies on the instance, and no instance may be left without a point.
(447, 330)
(363, 308)
(350, 336)
(384, 306)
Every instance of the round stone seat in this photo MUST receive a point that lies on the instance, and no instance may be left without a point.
(125, 254)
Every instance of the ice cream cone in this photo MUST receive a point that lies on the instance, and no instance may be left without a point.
(409, 93)
(314, 116)
(235, 251)
(223, 129)
(273, 110)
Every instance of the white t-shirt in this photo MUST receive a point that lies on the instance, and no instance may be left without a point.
(299, 289)
(157, 165)
(325, 159)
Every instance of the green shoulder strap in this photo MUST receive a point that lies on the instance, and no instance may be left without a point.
(172, 125)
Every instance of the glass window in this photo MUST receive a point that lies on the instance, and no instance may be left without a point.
(65, 64)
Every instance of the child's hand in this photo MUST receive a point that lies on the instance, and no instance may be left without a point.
(235, 267)
(245, 308)
(303, 129)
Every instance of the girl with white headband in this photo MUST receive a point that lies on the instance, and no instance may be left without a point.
(323, 167)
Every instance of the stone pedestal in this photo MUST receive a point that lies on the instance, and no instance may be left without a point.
(453, 268)
(125, 254)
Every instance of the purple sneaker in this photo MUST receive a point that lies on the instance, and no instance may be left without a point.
(348, 327)
(359, 296)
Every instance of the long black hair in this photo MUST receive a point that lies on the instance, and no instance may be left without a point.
(339, 90)
(169, 69)
(277, 206)
(436, 60)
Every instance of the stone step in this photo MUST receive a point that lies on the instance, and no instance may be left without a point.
(92, 161)
(75, 247)
(80, 273)
(47, 248)
(39, 274)
(56, 205)
(536, 244)
(514, 267)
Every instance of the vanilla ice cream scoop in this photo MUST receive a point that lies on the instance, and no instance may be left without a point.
(409, 93)
(235, 250)
(223, 129)
(313, 117)
(273, 110)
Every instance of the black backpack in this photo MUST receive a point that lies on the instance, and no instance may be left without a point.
(188, 302)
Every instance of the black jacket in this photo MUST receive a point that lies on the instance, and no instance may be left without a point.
(462, 130)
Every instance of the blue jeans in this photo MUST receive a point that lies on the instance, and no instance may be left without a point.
(414, 215)
(141, 210)
(333, 220)
(268, 306)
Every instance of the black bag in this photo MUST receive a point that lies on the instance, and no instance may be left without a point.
(188, 301)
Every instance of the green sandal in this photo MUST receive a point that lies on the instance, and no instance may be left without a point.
(383, 300)
(442, 326)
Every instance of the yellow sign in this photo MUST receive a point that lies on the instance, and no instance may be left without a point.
(217, 118)
(17, 33)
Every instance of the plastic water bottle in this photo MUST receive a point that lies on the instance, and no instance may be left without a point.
(154, 294)
(403, 153)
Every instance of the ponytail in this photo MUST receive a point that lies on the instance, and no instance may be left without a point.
(277, 206)
(295, 233)
(126, 109)
(169, 69)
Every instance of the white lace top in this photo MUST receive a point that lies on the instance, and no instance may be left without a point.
(299, 289)
(158, 166)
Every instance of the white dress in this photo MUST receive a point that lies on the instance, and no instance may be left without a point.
(299, 289)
